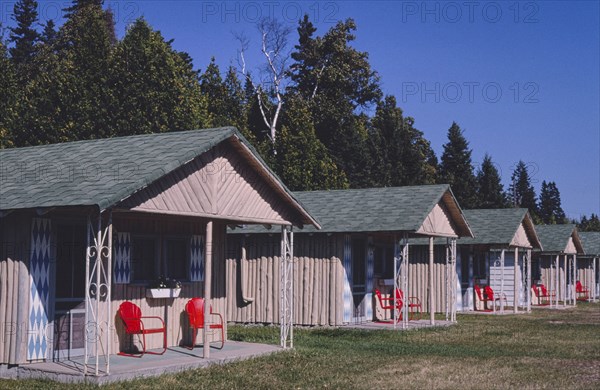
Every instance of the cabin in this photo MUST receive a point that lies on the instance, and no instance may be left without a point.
(87, 225)
(499, 256)
(363, 245)
(554, 266)
(588, 264)
(487, 258)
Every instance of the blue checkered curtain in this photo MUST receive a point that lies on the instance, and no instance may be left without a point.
(39, 288)
(369, 281)
(347, 295)
(197, 259)
(122, 256)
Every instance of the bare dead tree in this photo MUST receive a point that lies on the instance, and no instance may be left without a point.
(273, 74)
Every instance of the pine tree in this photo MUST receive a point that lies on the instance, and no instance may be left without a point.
(24, 36)
(456, 168)
(521, 191)
(69, 97)
(8, 97)
(236, 103)
(77, 5)
(550, 210)
(86, 44)
(157, 88)
(337, 81)
(405, 153)
(302, 161)
(490, 191)
(49, 34)
(589, 225)
(211, 85)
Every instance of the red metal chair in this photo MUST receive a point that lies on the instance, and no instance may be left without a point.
(583, 292)
(543, 295)
(132, 318)
(195, 312)
(414, 305)
(390, 303)
(481, 298)
(489, 293)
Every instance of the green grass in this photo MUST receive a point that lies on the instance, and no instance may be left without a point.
(548, 349)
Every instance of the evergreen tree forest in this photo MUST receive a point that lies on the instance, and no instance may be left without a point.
(321, 122)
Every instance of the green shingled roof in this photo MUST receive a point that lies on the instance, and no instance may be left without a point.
(390, 209)
(103, 172)
(497, 226)
(555, 238)
(590, 242)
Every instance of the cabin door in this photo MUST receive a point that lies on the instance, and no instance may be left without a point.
(69, 306)
(359, 278)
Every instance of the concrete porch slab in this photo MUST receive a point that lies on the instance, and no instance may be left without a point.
(420, 324)
(123, 368)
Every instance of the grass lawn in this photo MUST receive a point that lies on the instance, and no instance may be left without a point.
(548, 349)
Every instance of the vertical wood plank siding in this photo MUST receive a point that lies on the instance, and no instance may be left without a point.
(585, 273)
(319, 278)
(548, 272)
(171, 310)
(418, 271)
(15, 233)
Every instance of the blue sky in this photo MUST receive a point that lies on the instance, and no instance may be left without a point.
(522, 78)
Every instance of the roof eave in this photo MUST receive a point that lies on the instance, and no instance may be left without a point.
(453, 205)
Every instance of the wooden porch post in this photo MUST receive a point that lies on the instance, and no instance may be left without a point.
(564, 283)
(471, 294)
(207, 288)
(574, 281)
(502, 263)
(557, 284)
(529, 273)
(595, 279)
(431, 293)
(516, 281)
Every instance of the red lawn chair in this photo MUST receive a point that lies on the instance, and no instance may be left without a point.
(390, 303)
(490, 296)
(414, 304)
(195, 312)
(481, 298)
(583, 292)
(132, 318)
(544, 297)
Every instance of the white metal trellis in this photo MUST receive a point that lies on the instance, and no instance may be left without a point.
(287, 288)
(98, 267)
(401, 278)
(451, 279)
(502, 262)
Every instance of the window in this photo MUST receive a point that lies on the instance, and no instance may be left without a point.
(143, 258)
(149, 260)
(358, 265)
(176, 258)
(384, 262)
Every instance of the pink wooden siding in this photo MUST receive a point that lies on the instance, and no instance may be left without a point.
(172, 310)
(216, 184)
(318, 279)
